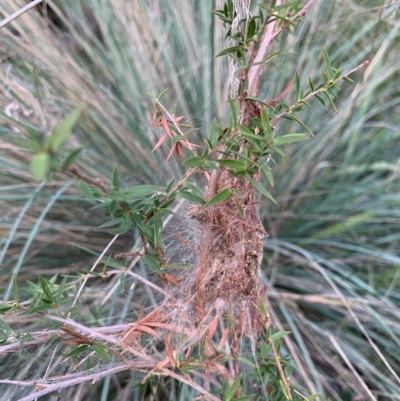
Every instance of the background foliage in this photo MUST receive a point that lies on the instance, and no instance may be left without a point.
(331, 261)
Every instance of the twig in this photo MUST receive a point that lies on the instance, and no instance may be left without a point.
(93, 181)
(323, 89)
(140, 278)
(76, 380)
(19, 13)
(300, 14)
(256, 70)
(282, 374)
(269, 35)
(93, 267)
(192, 383)
(165, 111)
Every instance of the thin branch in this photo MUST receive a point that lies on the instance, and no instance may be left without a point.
(140, 278)
(73, 382)
(192, 383)
(269, 35)
(300, 14)
(256, 70)
(93, 181)
(323, 89)
(18, 13)
(281, 372)
(93, 267)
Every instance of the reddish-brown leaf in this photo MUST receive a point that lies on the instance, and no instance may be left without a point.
(147, 330)
(160, 142)
(169, 278)
(213, 326)
(169, 353)
(173, 147)
(179, 150)
(166, 127)
(223, 339)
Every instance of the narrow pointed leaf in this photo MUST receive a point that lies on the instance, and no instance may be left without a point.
(125, 226)
(152, 263)
(290, 138)
(101, 351)
(215, 133)
(142, 190)
(73, 156)
(116, 181)
(260, 188)
(40, 166)
(191, 197)
(230, 50)
(232, 164)
(85, 190)
(220, 196)
(61, 132)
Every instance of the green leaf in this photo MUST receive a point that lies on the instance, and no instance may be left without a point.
(215, 133)
(116, 181)
(113, 222)
(337, 73)
(251, 29)
(261, 189)
(125, 226)
(46, 290)
(292, 117)
(85, 190)
(230, 50)
(283, 388)
(38, 308)
(101, 351)
(266, 124)
(265, 350)
(191, 197)
(220, 196)
(61, 289)
(319, 98)
(312, 397)
(311, 84)
(112, 263)
(40, 166)
(30, 130)
(152, 263)
(51, 340)
(15, 290)
(72, 156)
(297, 88)
(244, 398)
(113, 207)
(194, 188)
(142, 190)
(290, 138)
(118, 196)
(232, 164)
(268, 172)
(331, 101)
(279, 334)
(78, 350)
(145, 230)
(162, 94)
(232, 390)
(5, 329)
(194, 161)
(328, 68)
(61, 132)
(277, 150)
(5, 308)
